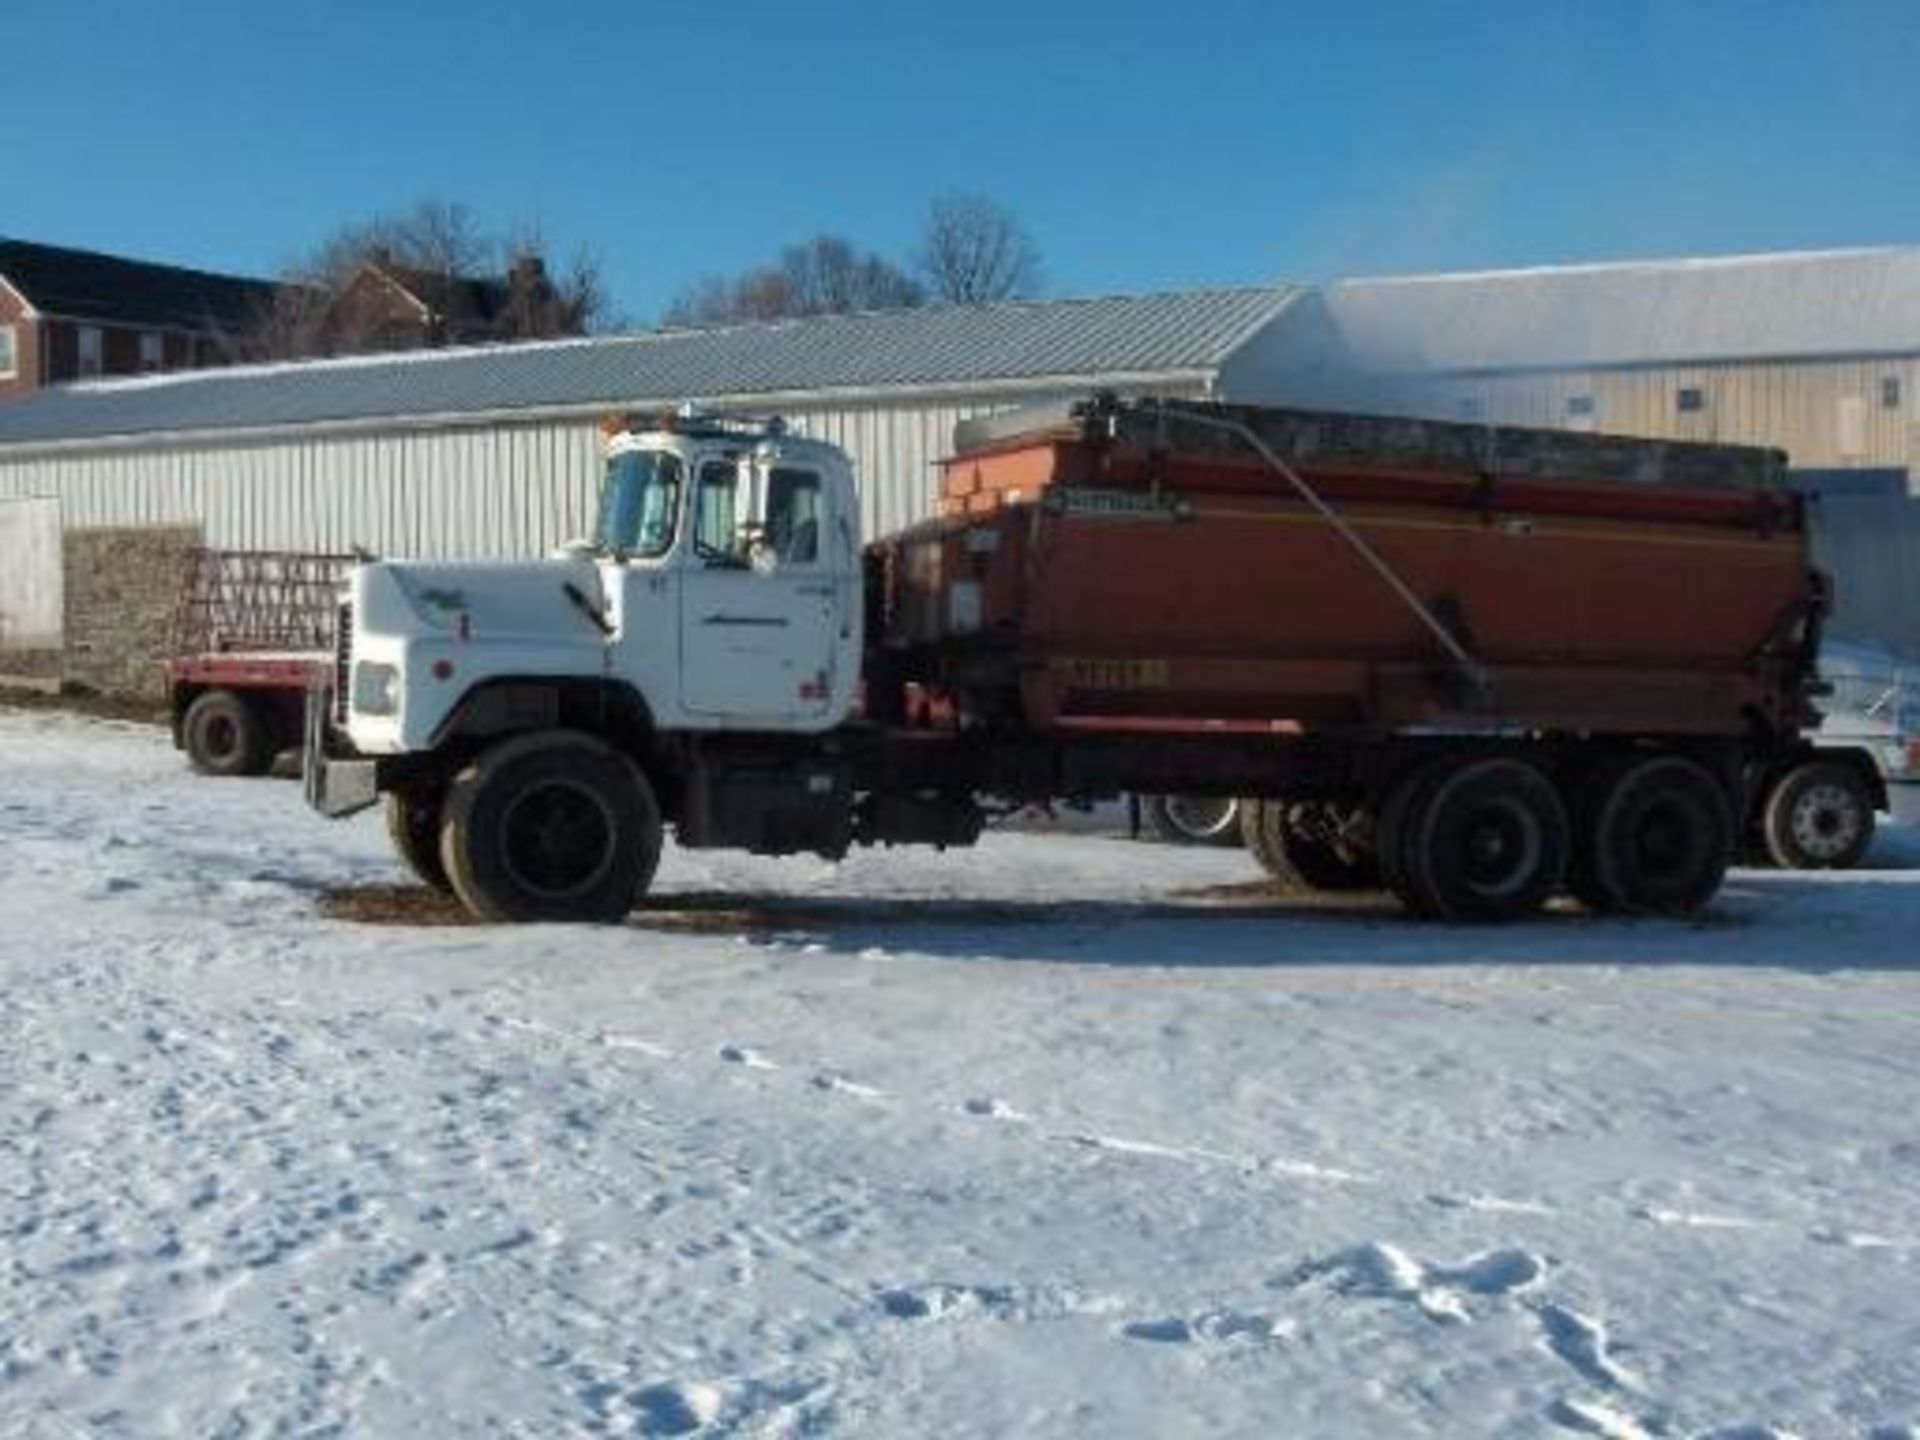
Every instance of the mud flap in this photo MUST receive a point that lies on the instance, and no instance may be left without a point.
(334, 787)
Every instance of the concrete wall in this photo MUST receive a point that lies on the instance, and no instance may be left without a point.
(122, 588)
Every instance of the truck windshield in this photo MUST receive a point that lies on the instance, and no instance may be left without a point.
(640, 502)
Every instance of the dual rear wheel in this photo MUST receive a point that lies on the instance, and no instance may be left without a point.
(1494, 837)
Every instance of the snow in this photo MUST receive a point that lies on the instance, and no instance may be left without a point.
(1064, 1135)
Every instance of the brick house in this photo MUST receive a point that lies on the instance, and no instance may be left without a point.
(389, 306)
(75, 314)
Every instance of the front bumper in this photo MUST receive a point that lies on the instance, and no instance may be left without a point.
(335, 780)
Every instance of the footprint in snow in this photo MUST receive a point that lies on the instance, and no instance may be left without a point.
(1581, 1342)
(741, 1055)
(1378, 1270)
(1212, 1327)
(987, 1107)
(1695, 1220)
(1591, 1417)
(676, 1408)
(841, 1085)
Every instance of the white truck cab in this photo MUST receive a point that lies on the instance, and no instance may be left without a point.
(722, 584)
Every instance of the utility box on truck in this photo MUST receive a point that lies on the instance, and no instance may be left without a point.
(1476, 667)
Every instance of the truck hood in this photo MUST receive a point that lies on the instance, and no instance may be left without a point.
(482, 601)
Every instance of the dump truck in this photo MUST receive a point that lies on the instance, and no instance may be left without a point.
(1491, 665)
(252, 630)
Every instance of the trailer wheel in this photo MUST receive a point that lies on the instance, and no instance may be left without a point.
(1658, 840)
(1194, 819)
(1487, 840)
(1819, 816)
(226, 735)
(1299, 842)
(551, 826)
(413, 824)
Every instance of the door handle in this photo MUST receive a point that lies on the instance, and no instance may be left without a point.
(722, 618)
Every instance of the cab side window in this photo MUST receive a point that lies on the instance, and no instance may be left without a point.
(716, 511)
(795, 516)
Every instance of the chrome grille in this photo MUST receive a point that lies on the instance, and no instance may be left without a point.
(342, 663)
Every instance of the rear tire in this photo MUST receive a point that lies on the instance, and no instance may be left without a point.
(1487, 841)
(1193, 819)
(413, 824)
(225, 735)
(1818, 817)
(1658, 840)
(553, 826)
(1298, 842)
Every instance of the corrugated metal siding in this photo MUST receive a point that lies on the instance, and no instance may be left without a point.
(1792, 406)
(484, 492)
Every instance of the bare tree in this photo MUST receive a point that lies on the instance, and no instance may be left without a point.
(826, 275)
(439, 251)
(974, 251)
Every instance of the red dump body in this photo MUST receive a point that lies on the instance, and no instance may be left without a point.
(1116, 578)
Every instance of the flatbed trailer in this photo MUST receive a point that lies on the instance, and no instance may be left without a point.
(252, 631)
(1475, 667)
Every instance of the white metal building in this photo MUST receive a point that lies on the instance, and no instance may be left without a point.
(1817, 354)
(493, 451)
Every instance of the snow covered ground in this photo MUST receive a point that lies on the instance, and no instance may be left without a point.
(1050, 1138)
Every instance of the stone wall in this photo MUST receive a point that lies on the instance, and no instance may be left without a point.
(122, 587)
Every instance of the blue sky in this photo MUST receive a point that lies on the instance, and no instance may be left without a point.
(1145, 145)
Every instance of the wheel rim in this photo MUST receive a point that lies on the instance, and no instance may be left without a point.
(1500, 849)
(557, 840)
(1200, 816)
(219, 737)
(1824, 822)
(1664, 842)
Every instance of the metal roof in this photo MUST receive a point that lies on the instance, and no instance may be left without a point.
(936, 348)
(1748, 307)
(85, 285)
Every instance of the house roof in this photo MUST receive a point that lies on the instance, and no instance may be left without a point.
(452, 297)
(84, 285)
(1074, 342)
(1801, 305)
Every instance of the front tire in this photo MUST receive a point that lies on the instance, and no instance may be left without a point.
(1818, 817)
(413, 824)
(227, 736)
(555, 826)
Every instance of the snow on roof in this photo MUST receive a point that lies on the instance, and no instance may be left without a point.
(1799, 305)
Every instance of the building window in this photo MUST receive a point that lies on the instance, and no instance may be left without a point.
(1890, 392)
(153, 350)
(1472, 408)
(9, 352)
(88, 340)
(1578, 405)
(1690, 400)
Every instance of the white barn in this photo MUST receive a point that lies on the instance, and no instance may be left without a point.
(493, 451)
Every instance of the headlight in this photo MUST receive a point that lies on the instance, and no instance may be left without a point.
(376, 688)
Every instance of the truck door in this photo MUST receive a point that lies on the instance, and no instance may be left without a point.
(758, 600)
